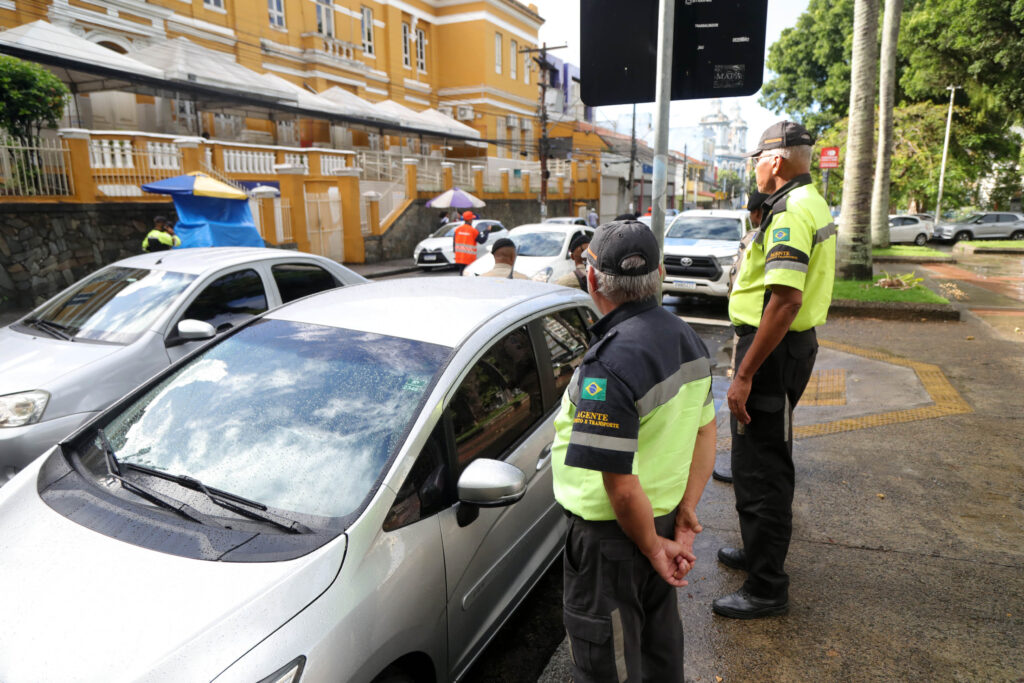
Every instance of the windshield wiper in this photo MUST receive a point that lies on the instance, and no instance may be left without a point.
(115, 472)
(229, 501)
(52, 329)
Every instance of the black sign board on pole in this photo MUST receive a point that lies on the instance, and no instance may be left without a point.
(718, 49)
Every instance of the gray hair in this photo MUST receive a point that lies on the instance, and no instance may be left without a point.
(800, 155)
(620, 289)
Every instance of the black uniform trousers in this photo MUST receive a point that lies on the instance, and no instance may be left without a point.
(621, 617)
(762, 458)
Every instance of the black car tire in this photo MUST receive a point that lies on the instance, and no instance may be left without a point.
(961, 236)
(1017, 235)
(921, 240)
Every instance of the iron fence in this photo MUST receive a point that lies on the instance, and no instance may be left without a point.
(34, 167)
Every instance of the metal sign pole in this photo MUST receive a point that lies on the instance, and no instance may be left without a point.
(666, 30)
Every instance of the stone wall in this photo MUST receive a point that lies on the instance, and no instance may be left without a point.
(419, 221)
(46, 247)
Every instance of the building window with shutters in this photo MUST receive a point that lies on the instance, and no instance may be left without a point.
(276, 11)
(325, 17)
(406, 51)
(513, 58)
(497, 53)
(421, 51)
(367, 26)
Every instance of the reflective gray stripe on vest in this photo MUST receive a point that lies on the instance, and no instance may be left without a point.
(609, 443)
(759, 236)
(822, 234)
(786, 265)
(665, 390)
(574, 387)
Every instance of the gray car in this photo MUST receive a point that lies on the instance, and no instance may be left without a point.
(95, 341)
(983, 226)
(352, 487)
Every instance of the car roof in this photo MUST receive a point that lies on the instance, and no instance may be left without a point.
(563, 219)
(718, 213)
(444, 310)
(197, 261)
(565, 228)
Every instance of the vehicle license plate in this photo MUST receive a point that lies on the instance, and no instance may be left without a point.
(428, 257)
(685, 284)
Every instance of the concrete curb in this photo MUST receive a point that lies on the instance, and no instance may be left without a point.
(968, 249)
(893, 310)
(912, 259)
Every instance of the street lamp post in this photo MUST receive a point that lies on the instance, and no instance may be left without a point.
(945, 151)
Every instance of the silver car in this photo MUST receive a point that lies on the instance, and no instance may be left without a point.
(983, 226)
(438, 250)
(95, 341)
(352, 487)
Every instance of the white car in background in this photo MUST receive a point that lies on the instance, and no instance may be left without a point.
(438, 250)
(570, 220)
(906, 229)
(542, 251)
(700, 248)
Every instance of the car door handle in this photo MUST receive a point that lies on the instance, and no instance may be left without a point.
(545, 457)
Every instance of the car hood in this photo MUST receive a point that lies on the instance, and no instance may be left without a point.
(34, 362)
(694, 247)
(436, 243)
(82, 606)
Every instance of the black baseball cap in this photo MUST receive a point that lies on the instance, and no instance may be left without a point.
(755, 199)
(502, 243)
(782, 134)
(614, 242)
(578, 239)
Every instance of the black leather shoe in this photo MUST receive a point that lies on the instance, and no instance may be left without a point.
(734, 558)
(722, 475)
(743, 605)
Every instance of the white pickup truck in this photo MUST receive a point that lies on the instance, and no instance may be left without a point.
(700, 248)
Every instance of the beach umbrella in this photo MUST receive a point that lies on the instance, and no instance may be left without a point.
(456, 198)
(195, 184)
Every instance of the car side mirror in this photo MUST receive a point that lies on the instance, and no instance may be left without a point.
(491, 483)
(191, 330)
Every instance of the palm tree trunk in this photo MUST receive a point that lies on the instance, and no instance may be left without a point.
(854, 250)
(886, 97)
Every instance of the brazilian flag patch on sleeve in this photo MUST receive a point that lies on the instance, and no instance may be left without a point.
(780, 235)
(594, 388)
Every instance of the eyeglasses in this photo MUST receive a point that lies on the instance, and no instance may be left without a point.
(761, 157)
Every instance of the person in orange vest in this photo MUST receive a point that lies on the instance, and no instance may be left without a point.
(466, 238)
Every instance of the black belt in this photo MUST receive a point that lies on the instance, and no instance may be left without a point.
(744, 330)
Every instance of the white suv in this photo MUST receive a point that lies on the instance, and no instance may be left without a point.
(700, 248)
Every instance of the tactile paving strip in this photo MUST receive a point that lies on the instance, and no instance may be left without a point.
(825, 388)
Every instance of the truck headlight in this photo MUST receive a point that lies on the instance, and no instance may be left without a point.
(727, 260)
(23, 408)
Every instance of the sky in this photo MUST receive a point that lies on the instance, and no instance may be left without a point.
(562, 26)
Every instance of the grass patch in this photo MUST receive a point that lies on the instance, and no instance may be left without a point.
(1016, 245)
(910, 250)
(862, 290)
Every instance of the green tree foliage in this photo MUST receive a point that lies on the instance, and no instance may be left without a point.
(730, 182)
(30, 97)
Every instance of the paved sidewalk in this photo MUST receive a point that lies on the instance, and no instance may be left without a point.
(907, 560)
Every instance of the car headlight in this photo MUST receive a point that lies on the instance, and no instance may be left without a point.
(728, 260)
(23, 408)
(289, 673)
(543, 275)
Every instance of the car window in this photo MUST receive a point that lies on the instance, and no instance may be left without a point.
(447, 230)
(425, 489)
(229, 300)
(1007, 218)
(498, 401)
(296, 416)
(538, 243)
(990, 218)
(705, 228)
(496, 227)
(113, 305)
(296, 280)
(566, 339)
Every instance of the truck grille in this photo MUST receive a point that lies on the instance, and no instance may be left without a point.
(702, 267)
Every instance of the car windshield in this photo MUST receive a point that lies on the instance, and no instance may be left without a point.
(446, 230)
(706, 228)
(113, 305)
(299, 417)
(538, 243)
(974, 218)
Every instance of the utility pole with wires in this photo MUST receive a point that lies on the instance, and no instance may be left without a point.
(632, 162)
(542, 81)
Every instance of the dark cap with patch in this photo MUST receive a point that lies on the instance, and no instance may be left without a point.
(617, 241)
(782, 134)
(755, 199)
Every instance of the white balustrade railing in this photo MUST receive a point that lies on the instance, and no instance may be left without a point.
(111, 154)
(249, 162)
(164, 155)
(297, 159)
(330, 163)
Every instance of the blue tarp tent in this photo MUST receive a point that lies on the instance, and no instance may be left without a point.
(210, 213)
